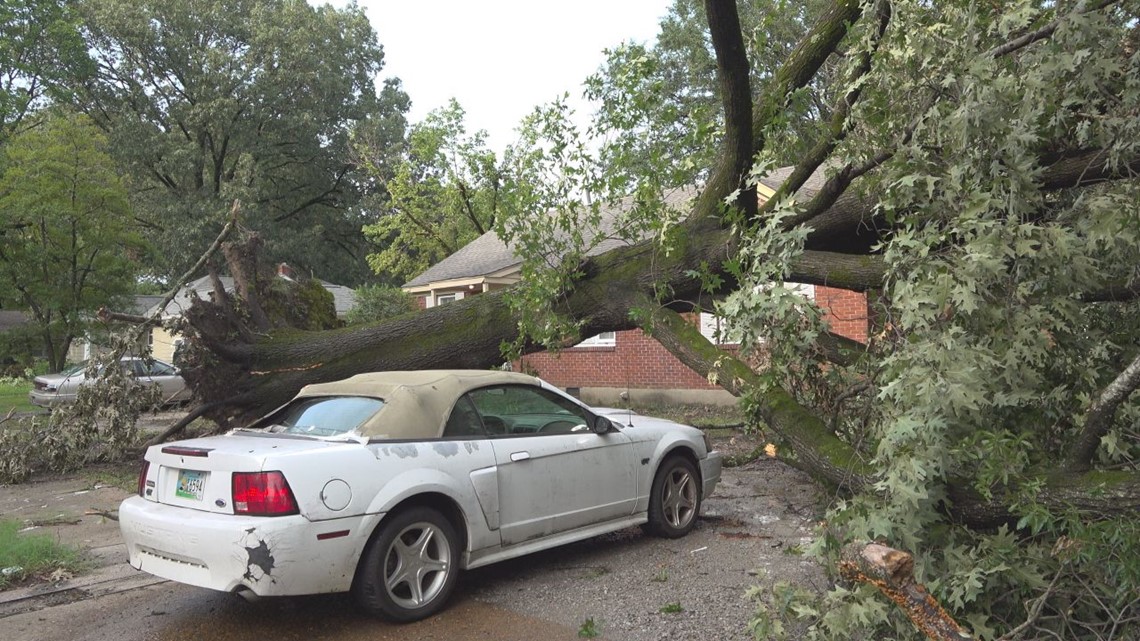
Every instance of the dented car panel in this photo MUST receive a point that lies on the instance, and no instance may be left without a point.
(269, 556)
(289, 506)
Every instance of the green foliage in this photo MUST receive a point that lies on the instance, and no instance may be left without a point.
(301, 304)
(662, 100)
(40, 48)
(25, 555)
(589, 629)
(379, 302)
(207, 101)
(101, 425)
(672, 608)
(68, 242)
(987, 359)
(568, 204)
(444, 193)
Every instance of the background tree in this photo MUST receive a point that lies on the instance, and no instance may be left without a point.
(66, 245)
(981, 183)
(40, 49)
(659, 104)
(445, 192)
(379, 302)
(209, 100)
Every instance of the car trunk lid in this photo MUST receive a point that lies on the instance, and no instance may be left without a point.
(198, 473)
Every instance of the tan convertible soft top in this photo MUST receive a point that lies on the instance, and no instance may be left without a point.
(416, 404)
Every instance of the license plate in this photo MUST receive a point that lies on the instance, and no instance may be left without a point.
(190, 484)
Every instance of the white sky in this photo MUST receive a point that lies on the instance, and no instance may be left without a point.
(501, 58)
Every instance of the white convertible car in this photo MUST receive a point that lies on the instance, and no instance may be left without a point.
(388, 484)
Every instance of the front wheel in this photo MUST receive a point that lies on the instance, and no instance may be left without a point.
(408, 571)
(675, 499)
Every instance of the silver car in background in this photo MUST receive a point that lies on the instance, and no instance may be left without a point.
(52, 390)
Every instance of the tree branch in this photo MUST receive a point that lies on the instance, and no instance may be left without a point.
(837, 129)
(732, 68)
(892, 572)
(1044, 32)
(1098, 418)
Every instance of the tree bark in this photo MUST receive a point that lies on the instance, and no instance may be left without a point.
(892, 572)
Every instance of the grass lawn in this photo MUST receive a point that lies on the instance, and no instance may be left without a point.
(15, 396)
(23, 556)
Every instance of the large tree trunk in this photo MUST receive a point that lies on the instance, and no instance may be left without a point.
(240, 372)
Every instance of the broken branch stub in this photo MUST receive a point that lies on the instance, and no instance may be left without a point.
(892, 572)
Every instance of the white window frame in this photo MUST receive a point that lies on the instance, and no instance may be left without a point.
(605, 339)
(449, 297)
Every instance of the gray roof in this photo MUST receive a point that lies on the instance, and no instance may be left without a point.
(344, 298)
(144, 304)
(810, 187)
(488, 254)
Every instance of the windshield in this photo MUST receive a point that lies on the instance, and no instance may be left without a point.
(323, 415)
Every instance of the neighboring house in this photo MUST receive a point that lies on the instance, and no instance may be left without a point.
(163, 342)
(601, 367)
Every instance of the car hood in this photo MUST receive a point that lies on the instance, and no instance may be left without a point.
(56, 378)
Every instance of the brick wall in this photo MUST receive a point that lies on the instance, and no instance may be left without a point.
(845, 311)
(637, 361)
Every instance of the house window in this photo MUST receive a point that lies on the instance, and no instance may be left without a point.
(716, 329)
(451, 297)
(605, 339)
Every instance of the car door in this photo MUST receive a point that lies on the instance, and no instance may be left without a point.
(555, 474)
(166, 377)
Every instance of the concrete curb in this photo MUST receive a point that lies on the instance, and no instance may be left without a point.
(112, 575)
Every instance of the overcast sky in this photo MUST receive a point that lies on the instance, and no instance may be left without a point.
(501, 58)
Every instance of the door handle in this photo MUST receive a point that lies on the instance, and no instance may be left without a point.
(520, 456)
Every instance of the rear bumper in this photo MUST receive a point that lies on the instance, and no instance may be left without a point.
(710, 472)
(49, 399)
(272, 556)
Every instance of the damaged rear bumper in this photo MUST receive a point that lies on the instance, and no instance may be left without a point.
(271, 556)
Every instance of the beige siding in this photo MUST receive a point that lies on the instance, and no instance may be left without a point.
(162, 347)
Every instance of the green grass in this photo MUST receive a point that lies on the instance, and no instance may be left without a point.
(589, 629)
(15, 396)
(28, 555)
(672, 608)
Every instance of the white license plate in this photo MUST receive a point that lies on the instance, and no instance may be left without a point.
(191, 484)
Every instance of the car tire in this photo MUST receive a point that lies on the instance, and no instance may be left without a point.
(409, 569)
(674, 499)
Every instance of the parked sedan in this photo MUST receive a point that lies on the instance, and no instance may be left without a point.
(51, 390)
(388, 484)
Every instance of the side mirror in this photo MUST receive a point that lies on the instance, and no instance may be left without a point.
(603, 425)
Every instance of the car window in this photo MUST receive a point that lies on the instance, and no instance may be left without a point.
(158, 368)
(323, 416)
(464, 421)
(517, 409)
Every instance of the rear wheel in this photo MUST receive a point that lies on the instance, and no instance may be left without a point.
(409, 569)
(675, 499)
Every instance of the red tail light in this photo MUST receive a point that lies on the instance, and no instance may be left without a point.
(142, 477)
(263, 494)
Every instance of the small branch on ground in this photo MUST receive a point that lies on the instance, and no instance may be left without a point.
(892, 572)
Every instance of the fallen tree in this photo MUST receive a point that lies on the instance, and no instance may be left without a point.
(985, 196)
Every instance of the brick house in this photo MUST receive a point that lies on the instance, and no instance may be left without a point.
(602, 367)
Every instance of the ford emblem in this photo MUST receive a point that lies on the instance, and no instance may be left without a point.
(220, 503)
